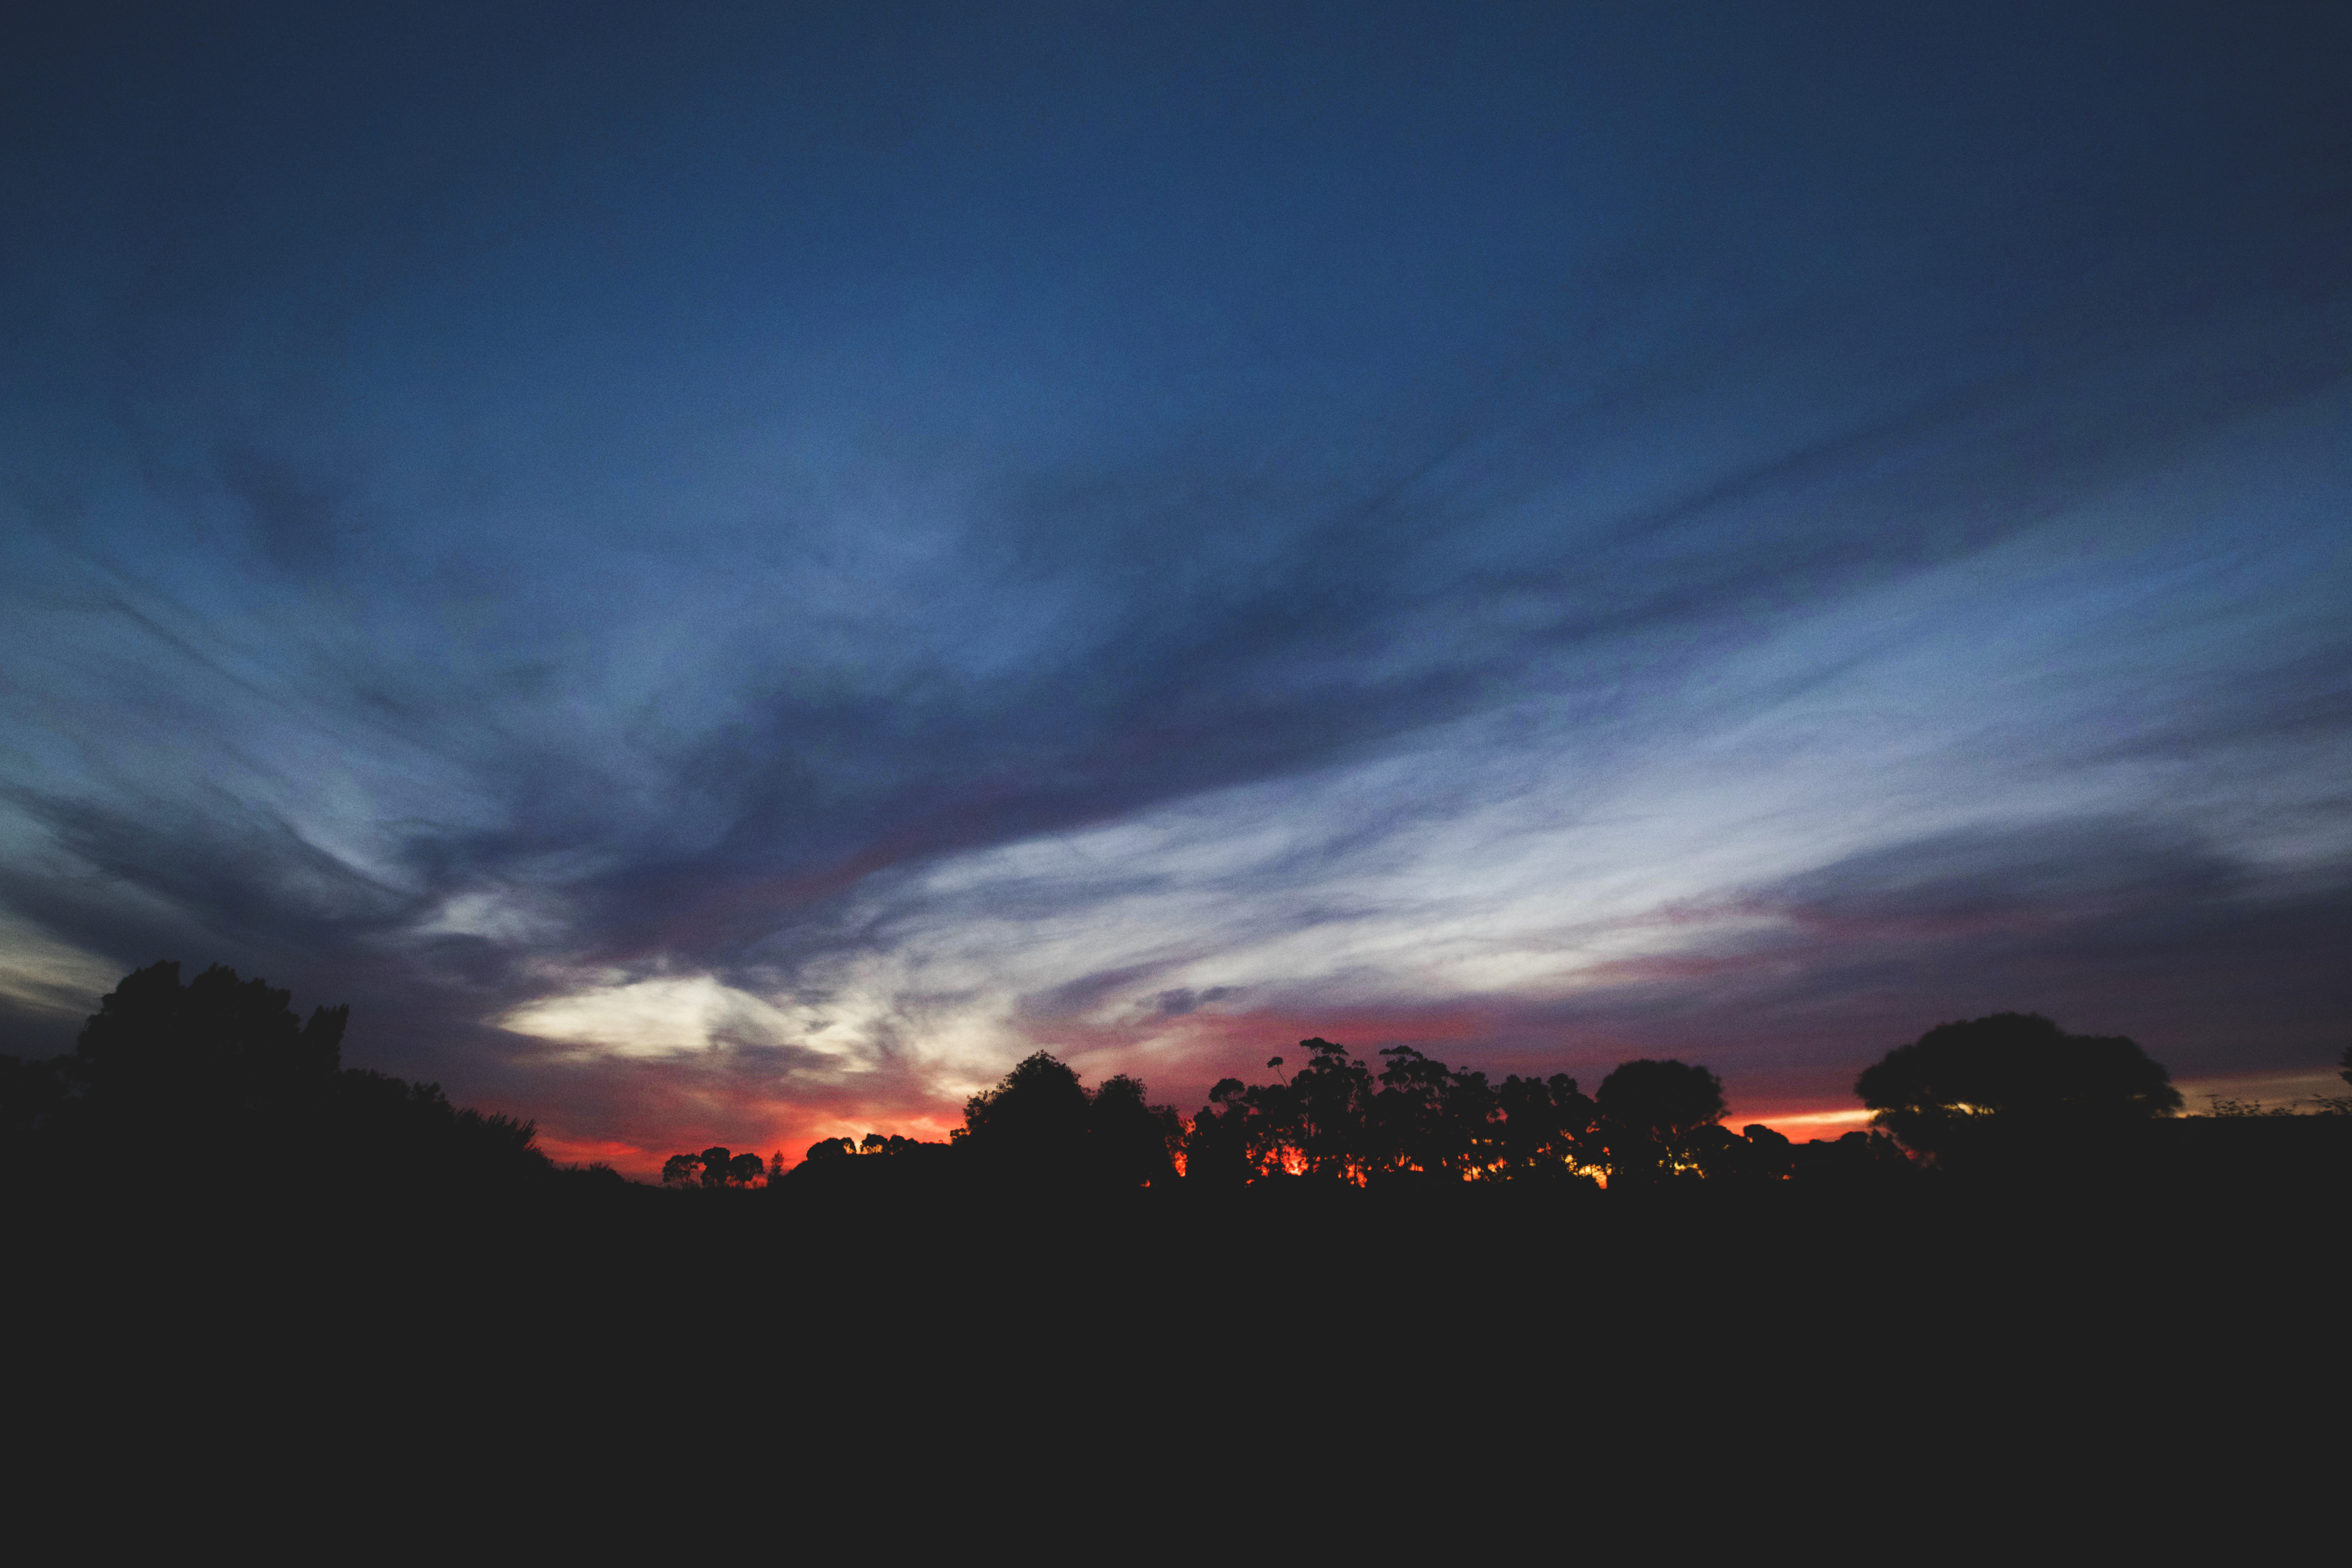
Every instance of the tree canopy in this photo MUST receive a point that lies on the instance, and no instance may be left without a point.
(1665, 1098)
(1649, 1114)
(222, 1069)
(1041, 1122)
(2007, 1077)
(717, 1166)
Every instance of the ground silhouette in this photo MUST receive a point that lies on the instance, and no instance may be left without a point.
(1399, 1246)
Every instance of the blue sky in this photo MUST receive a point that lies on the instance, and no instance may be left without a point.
(721, 573)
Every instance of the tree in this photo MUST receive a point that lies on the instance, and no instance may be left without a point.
(1665, 1098)
(1650, 1111)
(715, 1167)
(1041, 1123)
(1132, 1143)
(218, 1046)
(1217, 1149)
(2010, 1079)
(1419, 1118)
(221, 1074)
(1544, 1122)
(1434, 1119)
(1328, 1109)
(1033, 1122)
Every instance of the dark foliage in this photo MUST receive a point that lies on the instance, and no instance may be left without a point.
(374, 1237)
(1653, 1117)
(715, 1166)
(219, 1078)
(1664, 1100)
(2009, 1083)
(220, 1075)
(1419, 1120)
(1041, 1124)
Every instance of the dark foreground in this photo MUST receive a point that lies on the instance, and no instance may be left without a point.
(1710, 1361)
(1772, 1290)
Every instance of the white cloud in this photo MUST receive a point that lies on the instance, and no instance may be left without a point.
(657, 1017)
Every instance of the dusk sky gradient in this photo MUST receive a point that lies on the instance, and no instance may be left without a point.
(721, 573)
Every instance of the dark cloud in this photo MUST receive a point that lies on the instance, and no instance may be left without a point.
(1182, 1000)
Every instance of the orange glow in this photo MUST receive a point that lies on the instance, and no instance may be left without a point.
(1802, 1126)
(625, 1157)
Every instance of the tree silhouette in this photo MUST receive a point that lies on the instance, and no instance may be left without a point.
(1132, 1144)
(1032, 1123)
(1663, 1099)
(1039, 1123)
(715, 1166)
(1651, 1113)
(1419, 1118)
(1218, 1149)
(1329, 1111)
(219, 1046)
(2009, 1080)
(1544, 1123)
(220, 1074)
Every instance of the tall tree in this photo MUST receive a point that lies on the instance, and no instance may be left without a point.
(1650, 1111)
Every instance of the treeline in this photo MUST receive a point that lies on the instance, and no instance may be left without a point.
(1414, 1120)
(218, 1079)
(2009, 1093)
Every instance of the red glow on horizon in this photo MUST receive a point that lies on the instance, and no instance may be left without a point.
(623, 1157)
(1805, 1125)
(1178, 1057)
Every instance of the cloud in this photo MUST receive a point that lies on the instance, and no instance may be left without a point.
(1182, 1000)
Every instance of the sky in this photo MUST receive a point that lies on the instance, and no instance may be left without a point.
(722, 573)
